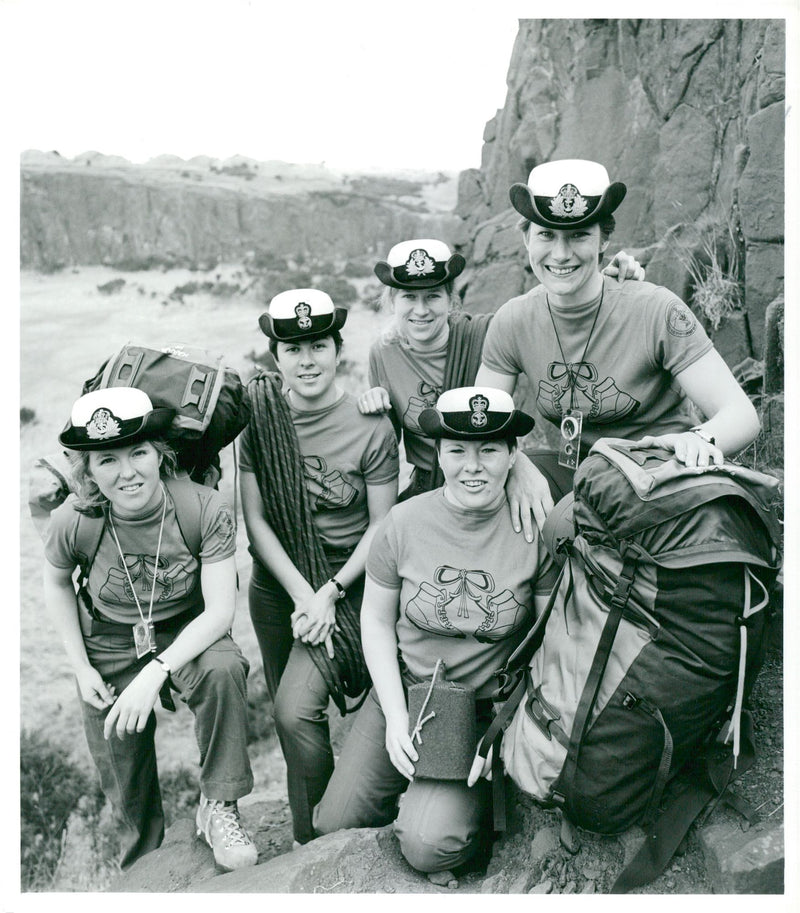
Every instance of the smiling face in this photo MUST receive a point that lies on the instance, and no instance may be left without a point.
(309, 369)
(421, 316)
(475, 472)
(129, 477)
(566, 261)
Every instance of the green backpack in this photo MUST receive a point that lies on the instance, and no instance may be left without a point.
(651, 642)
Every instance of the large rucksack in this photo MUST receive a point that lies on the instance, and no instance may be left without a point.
(649, 646)
(212, 404)
(211, 401)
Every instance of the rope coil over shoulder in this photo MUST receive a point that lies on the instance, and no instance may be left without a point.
(281, 481)
(464, 351)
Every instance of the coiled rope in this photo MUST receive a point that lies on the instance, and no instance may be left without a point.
(281, 481)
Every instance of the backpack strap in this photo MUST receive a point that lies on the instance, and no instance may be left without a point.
(187, 510)
(592, 687)
(88, 533)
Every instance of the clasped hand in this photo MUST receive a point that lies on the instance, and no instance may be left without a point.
(314, 618)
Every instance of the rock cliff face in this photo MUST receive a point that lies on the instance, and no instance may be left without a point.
(688, 113)
(87, 211)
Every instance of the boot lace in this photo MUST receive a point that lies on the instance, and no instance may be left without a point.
(228, 816)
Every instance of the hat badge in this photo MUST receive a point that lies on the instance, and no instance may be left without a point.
(419, 263)
(303, 310)
(568, 203)
(102, 425)
(478, 404)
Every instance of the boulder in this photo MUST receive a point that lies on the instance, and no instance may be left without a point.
(764, 281)
(744, 863)
(761, 188)
(365, 860)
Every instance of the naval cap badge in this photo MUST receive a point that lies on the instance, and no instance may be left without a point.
(302, 310)
(478, 404)
(102, 425)
(568, 203)
(419, 263)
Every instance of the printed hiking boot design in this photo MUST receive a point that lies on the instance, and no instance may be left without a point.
(426, 399)
(463, 603)
(575, 385)
(218, 823)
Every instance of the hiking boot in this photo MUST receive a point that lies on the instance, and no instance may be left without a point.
(218, 823)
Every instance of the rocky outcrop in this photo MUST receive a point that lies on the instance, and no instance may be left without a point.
(688, 113)
(80, 213)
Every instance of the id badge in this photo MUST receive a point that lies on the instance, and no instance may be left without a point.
(144, 638)
(570, 449)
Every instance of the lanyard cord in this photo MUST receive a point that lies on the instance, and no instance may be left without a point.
(567, 365)
(155, 567)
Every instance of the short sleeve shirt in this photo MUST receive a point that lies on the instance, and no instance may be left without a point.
(414, 382)
(466, 584)
(625, 384)
(177, 576)
(343, 452)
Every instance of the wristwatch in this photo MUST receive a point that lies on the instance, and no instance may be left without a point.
(163, 665)
(705, 436)
(341, 592)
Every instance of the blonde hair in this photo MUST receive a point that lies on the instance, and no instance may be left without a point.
(90, 498)
(392, 332)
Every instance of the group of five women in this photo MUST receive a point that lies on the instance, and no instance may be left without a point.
(450, 572)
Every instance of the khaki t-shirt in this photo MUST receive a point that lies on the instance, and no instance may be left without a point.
(625, 385)
(343, 451)
(466, 585)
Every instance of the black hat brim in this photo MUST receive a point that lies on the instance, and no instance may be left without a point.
(519, 424)
(272, 328)
(155, 424)
(524, 202)
(452, 269)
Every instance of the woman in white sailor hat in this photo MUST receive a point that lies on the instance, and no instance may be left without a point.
(154, 612)
(430, 346)
(604, 359)
(421, 610)
(310, 531)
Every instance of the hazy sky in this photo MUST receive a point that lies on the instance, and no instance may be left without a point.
(353, 84)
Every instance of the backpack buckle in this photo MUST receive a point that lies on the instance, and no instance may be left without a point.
(542, 713)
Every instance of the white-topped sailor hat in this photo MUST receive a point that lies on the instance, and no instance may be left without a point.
(113, 417)
(570, 193)
(474, 414)
(301, 313)
(419, 263)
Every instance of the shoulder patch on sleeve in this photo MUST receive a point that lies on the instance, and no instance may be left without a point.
(680, 320)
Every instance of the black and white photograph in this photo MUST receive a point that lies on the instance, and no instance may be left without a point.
(403, 448)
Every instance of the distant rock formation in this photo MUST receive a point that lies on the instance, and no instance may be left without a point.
(99, 209)
(688, 113)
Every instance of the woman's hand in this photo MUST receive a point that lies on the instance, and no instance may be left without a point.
(689, 448)
(623, 266)
(481, 767)
(528, 493)
(314, 617)
(375, 400)
(133, 707)
(399, 745)
(93, 689)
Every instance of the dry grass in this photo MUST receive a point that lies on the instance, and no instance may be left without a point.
(707, 251)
